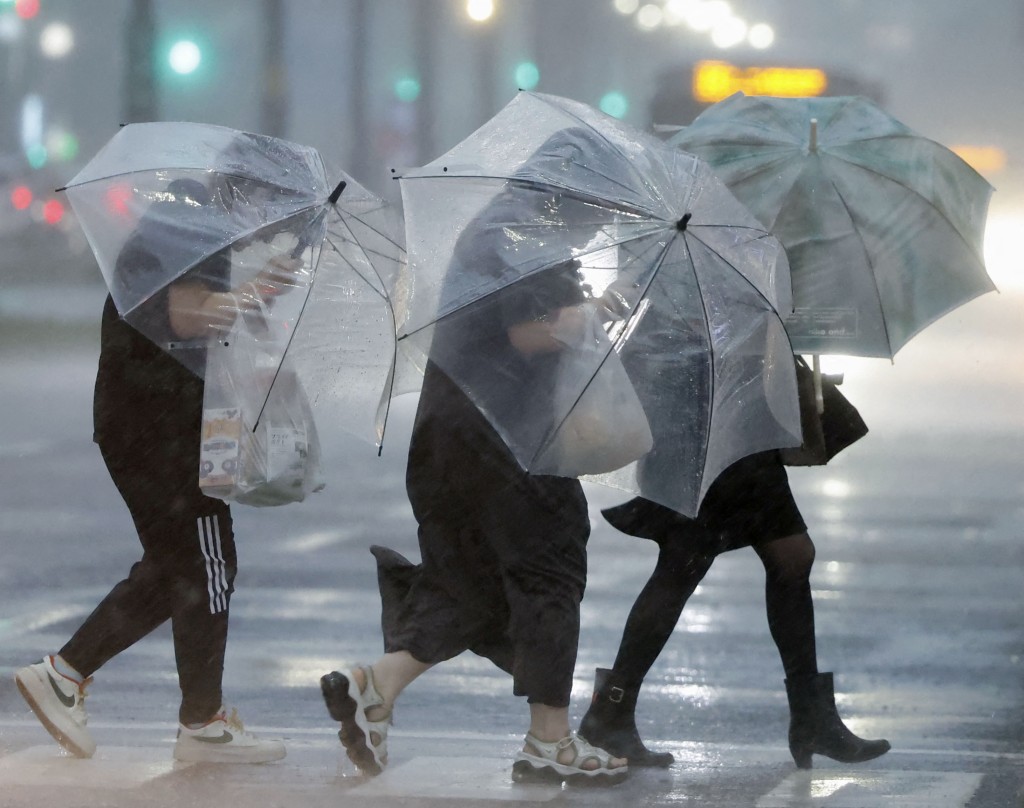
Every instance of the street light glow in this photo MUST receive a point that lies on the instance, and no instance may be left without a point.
(650, 16)
(761, 36)
(480, 10)
(184, 57)
(704, 15)
(729, 32)
(57, 40)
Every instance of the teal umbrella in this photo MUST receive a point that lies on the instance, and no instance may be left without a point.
(883, 227)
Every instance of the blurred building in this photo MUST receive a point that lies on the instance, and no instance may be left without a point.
(382, 84)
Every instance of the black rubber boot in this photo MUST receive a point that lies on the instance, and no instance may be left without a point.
(816, 728)
(610, 723)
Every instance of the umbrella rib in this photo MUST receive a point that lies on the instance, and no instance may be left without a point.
(574, 193)
(711, 353)
(302, 311)
(867, 257)
(495, 291)
(601, 135)
(907, 188)
(658, 262)
(391, 313)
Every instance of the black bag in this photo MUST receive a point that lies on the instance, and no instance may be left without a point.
(827, 434)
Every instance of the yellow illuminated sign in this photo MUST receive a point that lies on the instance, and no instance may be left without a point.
(713, 81)
(983, 159)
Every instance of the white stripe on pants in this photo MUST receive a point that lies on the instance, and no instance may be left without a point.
(216, 569)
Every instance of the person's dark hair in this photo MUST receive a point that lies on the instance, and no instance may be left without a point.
(189, 189)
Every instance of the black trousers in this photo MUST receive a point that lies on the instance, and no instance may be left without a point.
(186, 573)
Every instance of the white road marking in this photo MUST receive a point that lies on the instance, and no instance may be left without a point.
(873, 788)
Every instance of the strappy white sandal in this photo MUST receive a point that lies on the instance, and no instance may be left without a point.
(365, 741)
(541, 764)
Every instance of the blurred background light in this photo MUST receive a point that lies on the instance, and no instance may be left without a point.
(184, 57)
(714, 80)
(627, 6)
(527, 75)
(11, 27)
(57, 40)
(614, 104)
(117, 198)
(53, 211)
(21, 197)
(839, 489)
(480, 10)
(26, 9)
(761, 35)
(650, 16)
(983, 159)
(729, 32)
(704, 16)
(61, 144)
(36, 155)
(407, 89)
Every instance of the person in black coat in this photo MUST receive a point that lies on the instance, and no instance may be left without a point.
(749, 504)
(504, 560)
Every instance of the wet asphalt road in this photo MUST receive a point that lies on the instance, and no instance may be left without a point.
(918, 589)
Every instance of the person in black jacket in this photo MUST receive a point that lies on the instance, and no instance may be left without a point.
(147, 420)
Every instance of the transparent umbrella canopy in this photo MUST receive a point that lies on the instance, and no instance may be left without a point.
(177, 194)
(689, 283)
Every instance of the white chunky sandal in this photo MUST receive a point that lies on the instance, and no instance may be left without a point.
(542, 764)
(365, 741)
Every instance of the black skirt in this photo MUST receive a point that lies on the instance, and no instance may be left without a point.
(749, 504)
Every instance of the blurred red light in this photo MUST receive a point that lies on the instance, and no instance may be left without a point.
(53, 211)
(117, 198)
(21, 197)
(26, 9)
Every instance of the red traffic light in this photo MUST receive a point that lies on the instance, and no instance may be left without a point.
(53, 211)
(26, 9)
(21, 197)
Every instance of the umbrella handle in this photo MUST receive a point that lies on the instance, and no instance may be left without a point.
(819, 399)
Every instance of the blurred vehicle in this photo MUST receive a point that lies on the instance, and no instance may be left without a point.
(41, 237)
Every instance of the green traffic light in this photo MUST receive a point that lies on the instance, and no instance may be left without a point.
(407, 89)
(37, 155)
(614, 104)
(527, 75)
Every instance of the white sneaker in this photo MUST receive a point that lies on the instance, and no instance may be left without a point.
(59, 703)
(223, 739)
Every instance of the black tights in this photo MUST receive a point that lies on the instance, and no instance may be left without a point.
(787, 564)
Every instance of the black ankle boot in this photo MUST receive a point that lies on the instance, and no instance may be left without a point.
(610, 723)
(816, 728)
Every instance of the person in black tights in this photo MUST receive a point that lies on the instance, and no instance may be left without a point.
(750, 504)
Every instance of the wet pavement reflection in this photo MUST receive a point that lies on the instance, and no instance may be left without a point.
(917, 587)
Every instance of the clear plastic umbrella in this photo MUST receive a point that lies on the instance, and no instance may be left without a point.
(553, 198)
(179, 193)
(883, 227)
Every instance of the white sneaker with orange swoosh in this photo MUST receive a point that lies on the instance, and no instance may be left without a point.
(59, 704)
(223, 739)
